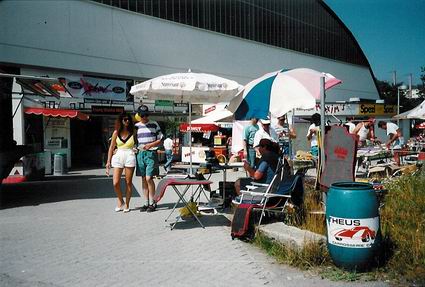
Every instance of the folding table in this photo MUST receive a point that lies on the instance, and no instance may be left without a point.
(185, 184)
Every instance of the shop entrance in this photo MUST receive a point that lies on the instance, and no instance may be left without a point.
(87, 143)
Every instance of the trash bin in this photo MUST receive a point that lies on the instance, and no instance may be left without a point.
(59, 164)
(352, 218)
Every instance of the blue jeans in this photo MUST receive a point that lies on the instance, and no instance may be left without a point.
(314, 150)
(251, 157)
(169, 158)
(284, 147)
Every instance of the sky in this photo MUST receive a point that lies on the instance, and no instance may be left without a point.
(391, 34)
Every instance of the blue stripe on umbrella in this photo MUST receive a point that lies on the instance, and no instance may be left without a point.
(257, 101)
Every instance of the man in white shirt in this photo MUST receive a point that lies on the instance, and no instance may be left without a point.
(168, 147)
(312, 133)
(350, 125)
(265, 132)
(395, 137)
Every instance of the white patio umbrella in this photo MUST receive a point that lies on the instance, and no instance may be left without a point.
(191, 88)
(415, 113)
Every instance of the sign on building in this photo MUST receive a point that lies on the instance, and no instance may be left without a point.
(164, 103)
(96, 89)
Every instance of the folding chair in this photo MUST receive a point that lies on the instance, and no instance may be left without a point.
(260, 189)
(283, 190)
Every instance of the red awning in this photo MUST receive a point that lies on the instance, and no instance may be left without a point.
(57, 113)
(198, 128)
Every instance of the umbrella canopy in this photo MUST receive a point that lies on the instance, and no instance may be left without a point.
(415, 113)
(279, 92)
(195, 88)
(215, 116)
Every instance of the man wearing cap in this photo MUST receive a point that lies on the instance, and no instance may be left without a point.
(149, 137)
(266, 167)
(248, 138)
(265, 132)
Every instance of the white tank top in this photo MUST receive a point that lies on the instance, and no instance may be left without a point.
(363, 133)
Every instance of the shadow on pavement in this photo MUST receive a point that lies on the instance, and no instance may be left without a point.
(207, 221)
(56, 189)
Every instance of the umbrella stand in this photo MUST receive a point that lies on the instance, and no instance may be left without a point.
(322, 133)
(190, 138)
(322, 120)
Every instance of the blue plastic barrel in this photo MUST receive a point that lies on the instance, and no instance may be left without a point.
(352, 218)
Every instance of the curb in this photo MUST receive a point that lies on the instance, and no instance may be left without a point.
(291, 236)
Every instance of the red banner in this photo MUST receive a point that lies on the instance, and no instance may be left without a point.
(198, 128)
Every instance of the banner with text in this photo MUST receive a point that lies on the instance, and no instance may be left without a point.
(96, 89)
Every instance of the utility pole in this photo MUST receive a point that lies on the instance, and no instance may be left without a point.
(394, 78)
(410, 85)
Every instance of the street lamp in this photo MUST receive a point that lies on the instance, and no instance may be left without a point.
(402, 87)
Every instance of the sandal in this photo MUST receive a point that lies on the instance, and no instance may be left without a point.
(152, 207)
(126, 210)
(144, 208)
(118, 209)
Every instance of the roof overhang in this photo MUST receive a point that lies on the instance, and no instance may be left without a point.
(64, 113)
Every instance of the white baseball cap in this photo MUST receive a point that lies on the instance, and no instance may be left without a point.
(265, 121)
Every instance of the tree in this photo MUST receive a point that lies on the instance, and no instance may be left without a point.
(388, 92)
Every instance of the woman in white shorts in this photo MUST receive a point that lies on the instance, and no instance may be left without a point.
(124, 158)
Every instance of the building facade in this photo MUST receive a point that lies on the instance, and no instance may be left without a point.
(123, 41)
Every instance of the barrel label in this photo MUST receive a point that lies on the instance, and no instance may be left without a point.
(352, 233)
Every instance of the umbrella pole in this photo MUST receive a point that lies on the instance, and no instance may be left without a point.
(322, 122)
(190, 137)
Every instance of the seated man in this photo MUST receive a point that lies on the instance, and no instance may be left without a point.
(266, 167)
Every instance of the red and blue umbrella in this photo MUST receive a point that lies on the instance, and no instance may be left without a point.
(279, 92)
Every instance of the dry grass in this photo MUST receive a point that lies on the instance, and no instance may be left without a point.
(313, 254)
(403, 247)
(403, 227)
(313, 206)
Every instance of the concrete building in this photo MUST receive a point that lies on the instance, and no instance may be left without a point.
(118, 43)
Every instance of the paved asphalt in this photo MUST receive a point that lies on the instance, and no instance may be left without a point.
(64, 232)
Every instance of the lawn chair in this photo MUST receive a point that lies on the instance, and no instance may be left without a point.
(283, 191)
(289, 192)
